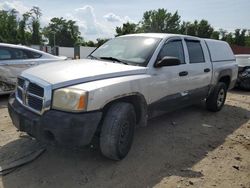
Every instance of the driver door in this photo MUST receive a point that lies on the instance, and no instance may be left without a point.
(169, 89)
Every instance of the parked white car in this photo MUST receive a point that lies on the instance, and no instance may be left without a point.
(243, 61)
(124, 82)
(16, 58)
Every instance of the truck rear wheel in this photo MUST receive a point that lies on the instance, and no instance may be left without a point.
(118, 131)
(217, 97)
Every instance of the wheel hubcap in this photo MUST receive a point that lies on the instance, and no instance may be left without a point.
(221, 98)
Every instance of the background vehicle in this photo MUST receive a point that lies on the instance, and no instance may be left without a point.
(123, 83)
(243, 61)
(14, 59)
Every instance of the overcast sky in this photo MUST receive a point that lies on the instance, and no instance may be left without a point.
(98, 18)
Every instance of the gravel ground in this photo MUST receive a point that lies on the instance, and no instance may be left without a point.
(186, 148)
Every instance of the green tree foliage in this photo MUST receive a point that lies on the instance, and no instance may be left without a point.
(23, 35)
(197, 28)
(215, 35)
(64, 32)
(160, 21)
(126, 28)
(14, 29)
(240, 37)
(100, 41)
(89, 43)
(36, 34)
(26, 29)
(8, 26)
(248, 39)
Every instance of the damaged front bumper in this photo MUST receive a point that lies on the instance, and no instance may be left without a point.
(243, 74)
(71, 129)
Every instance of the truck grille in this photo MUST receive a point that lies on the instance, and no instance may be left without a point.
(30, 94)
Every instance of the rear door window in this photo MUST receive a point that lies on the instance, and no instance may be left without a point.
(195, 51)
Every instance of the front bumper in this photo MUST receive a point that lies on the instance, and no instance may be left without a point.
(72, 129)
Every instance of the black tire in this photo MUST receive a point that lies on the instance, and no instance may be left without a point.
(217, 97)
(118, 131)
(245, 84)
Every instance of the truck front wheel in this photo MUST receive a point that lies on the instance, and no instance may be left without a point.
(217, 97)
(118, 131)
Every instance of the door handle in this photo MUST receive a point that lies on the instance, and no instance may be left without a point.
(183, 73)
(207, 70)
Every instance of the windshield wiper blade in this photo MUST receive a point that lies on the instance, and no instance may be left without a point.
(92, 57)
(114, 59)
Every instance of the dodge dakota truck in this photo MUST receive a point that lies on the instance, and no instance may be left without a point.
(122, 84)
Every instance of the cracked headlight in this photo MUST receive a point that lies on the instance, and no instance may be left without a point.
(69, 99)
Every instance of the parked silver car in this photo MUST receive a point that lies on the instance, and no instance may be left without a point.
(14, 59)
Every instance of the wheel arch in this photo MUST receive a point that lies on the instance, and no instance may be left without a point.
(137, 100)
(225, 76)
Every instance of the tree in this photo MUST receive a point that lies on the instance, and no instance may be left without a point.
(215, 35)
(204, 30)
(229, 38)
(188, 28)
(90, 43)
(36, 34)
(8, 26)
(197, 28)
(240, 37)
(223, 34)
(100, 42)
(3, 25)
(22, 33)
(126, 28)
(64, 32)
(248, 39)
(160, 21)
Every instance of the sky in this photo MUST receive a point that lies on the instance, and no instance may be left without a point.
(99, 18)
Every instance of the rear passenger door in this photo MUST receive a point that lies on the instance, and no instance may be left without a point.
(199, 70)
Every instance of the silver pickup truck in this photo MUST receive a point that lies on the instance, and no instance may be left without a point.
(120, 86)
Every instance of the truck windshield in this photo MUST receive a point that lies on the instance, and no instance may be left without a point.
(134, 50)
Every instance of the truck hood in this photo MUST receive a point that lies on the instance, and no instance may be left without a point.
(62, 74)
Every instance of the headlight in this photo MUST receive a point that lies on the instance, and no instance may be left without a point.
(69, 99)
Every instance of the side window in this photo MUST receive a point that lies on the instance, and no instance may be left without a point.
(33, 55)
(4, 54)
(19, 54)
(173, 48)
(195, 51)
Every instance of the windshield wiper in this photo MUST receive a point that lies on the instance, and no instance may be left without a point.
(114, 59)
(92, 57)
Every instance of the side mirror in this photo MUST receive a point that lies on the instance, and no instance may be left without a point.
(168, 61)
